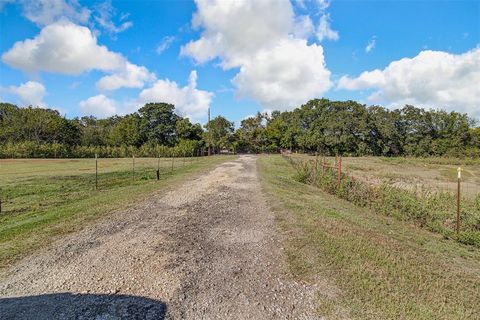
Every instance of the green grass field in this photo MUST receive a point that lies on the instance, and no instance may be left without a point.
(45, 198)
(369, 266)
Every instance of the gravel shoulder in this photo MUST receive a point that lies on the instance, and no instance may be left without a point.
(207, 249)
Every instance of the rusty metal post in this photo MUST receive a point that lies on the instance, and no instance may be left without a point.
(96, 172)
(459, 170)
(133, 167)
(339, 165)
(323, 166)
(158, 168)
(316, 169)
(173, 160)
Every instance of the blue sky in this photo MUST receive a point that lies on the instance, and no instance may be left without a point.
(102, 58)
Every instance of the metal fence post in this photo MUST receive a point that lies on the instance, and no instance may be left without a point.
(158, 168)
(339, 172)
(459, 170)
(96, 171)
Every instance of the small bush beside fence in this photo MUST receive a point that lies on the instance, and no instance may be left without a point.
(432, 210)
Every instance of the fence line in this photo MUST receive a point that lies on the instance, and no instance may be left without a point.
(80, 175)
(461, 207)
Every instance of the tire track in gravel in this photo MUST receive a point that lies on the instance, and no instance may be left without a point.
(205, 250)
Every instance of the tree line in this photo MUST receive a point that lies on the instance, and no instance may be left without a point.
(320, 125)
(351, 128)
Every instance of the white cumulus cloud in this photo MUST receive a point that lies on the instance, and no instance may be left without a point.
(30, 93)
(129, 76)
(62, 47)
(284, 76)
(232, 38)
(99, 106)
(189, 101)
(434, 79)
(67, 48)
(277, 66)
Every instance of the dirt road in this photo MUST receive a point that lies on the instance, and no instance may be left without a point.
(207, 249)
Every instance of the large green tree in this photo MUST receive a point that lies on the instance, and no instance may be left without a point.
(219, 133)
(158, 123)
(252, 135)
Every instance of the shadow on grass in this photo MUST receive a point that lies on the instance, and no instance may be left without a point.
(81, 306)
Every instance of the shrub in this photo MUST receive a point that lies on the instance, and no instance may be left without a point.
(303, 172)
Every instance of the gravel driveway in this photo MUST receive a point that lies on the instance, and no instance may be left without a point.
(207, 249)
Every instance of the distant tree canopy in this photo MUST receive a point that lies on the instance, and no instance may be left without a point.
(320, 125)
(350, 128)
(35, 124)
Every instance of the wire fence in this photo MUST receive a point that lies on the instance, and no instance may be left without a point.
(442, 197)
(29, 185)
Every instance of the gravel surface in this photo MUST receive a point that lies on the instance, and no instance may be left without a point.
(207, 249)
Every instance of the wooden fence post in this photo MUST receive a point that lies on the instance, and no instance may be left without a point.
(173, 159)
(158, 168)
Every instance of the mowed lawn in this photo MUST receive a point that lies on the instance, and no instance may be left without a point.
(45, 198)
(366, 265)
